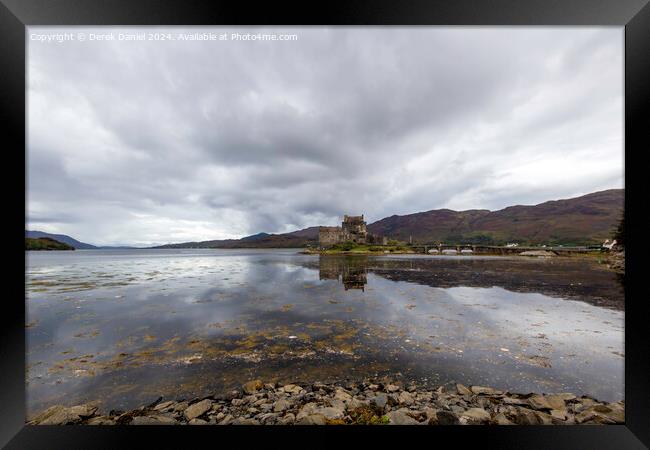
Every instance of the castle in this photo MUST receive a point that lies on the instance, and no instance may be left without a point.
(352, 229)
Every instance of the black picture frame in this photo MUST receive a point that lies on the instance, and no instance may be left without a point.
(634, 15)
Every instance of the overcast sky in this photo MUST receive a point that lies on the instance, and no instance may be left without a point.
(169, 141)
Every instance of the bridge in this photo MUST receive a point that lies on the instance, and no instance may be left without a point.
(496, 250)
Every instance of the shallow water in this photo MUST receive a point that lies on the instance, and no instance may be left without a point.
(123, 327)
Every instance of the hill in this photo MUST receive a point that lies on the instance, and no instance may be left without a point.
(585, 220)
(294, 239)
(45, 243)
(60, 238)
(589, 219)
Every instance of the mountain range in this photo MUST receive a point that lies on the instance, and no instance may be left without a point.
(585, 220)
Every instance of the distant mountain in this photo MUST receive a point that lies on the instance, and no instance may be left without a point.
(59, 237)
(589, 219)
(255, 237)
(294, 239)
(45, 243)
(585, 220)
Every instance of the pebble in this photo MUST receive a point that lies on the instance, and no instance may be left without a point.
(321, 404)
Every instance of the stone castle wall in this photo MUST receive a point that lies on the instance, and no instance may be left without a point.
(352, 229)
(328, 236)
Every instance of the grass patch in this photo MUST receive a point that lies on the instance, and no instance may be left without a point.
(367, 415)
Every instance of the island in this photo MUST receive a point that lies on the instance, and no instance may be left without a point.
(45, 243)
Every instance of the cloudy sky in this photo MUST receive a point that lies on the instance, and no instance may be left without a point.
(143, 142)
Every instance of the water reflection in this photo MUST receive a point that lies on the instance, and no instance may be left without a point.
(126, 327)
(581, 280)
(351, 270)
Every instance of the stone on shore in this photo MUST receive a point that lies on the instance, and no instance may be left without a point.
(474, 416)
(380, 400)
(162, 406)
(61, 416)
(153, 420)
(369, 403)
(483, 390)
(400, 417)
(252, 386)
(281, 405)
(198, 409)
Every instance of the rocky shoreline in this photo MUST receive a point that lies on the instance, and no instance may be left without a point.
(371, 402)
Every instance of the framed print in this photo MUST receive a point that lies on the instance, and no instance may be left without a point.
(375, 220)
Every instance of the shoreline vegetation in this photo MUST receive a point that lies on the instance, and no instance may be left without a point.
(45, 243)
(371, 402)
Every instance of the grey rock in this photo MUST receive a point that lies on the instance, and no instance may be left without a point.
(226, 420)
(313, 409)
(162, 406)
(356, 403)
(281, 405)
(457, 409)
(152, 420)
(483, 390)
(198, 409)
(474, 416)
(61, 416)
(558, 414)
(555, 401)
(406, 398)
(610, 413)
(83, 410)
(291, 388)
(342, 394)
(49, 412)
(514, 401)
(244, 421)
(287, 419)
(525, 416)
(180, 406)
(501, 419)
(431, 416)
(540, 402)
(338, 404)
(100, 420)
(197, 422)
(315, 419)
(393, 399)
(267, 418)
(446, 418)
(399, 417)
(566, 396)
(380, 401)
(331, 412)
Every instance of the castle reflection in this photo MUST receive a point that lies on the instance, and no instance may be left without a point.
(351, 270)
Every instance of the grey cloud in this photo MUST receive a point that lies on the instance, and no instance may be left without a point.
(168, 141)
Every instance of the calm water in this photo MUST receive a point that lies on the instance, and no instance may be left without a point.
(123, 327)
